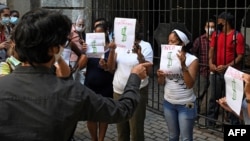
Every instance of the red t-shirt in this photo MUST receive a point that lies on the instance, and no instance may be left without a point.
(226, 52)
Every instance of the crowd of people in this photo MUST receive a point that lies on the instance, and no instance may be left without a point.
(59, 85)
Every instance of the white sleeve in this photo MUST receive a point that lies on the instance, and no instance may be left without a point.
(147, 51)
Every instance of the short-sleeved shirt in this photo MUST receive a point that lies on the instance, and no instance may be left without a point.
(126, 60)
(175, 89)
(227, 52)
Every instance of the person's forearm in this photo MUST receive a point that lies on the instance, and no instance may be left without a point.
(141, 58)
(189, 73)
(82, 61)
(75, 49)
(235, 61)
(114, 111)
(62, 68)
(111, 61)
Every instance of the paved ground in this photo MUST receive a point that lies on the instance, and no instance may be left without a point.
(155, 130)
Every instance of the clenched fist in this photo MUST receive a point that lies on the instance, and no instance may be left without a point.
(140, 69)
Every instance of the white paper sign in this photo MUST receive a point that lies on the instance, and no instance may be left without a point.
(124, 31)
(169, 61)
(95, 44)
(234, 89)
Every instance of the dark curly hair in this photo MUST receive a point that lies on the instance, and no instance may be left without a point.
(37, 32)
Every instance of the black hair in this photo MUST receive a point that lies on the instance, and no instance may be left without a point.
(228, 17)
(109, 26)
(37, 32)
(105, 28)
(183, 29)
(101, 20)
(14, 11)
(2, 7)
(210, 20)
(138, 35)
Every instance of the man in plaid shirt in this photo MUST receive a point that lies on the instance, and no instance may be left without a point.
(200, 50)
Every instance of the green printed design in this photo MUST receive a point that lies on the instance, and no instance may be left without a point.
(93, 44)
(123, 32)
(234, 89)
(169, 59)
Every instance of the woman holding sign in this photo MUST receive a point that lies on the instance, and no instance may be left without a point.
(179, 104)
(125, 60)
(245, 106)
(99, 77)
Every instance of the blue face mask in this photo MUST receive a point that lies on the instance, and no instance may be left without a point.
(14, 20)
(5, 20)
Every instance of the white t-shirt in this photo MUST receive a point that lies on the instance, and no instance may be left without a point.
(175, 90)
(126, 60)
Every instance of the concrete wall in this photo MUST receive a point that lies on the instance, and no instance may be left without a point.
(3, 1)
(20, 5)
(71, 8)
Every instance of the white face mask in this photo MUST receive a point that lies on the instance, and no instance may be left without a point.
(80, 29)
(209, 31)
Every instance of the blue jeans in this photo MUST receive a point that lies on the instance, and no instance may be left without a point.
(180, 120)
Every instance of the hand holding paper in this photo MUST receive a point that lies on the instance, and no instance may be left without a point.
(169, 59)
(234, 89)
(124, 30)
(223, 103)
(95, 44)
(182, 57)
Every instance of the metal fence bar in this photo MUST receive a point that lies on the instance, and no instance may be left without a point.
(193, 14)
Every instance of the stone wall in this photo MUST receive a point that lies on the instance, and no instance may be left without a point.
(3, 1)
(71, 8)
